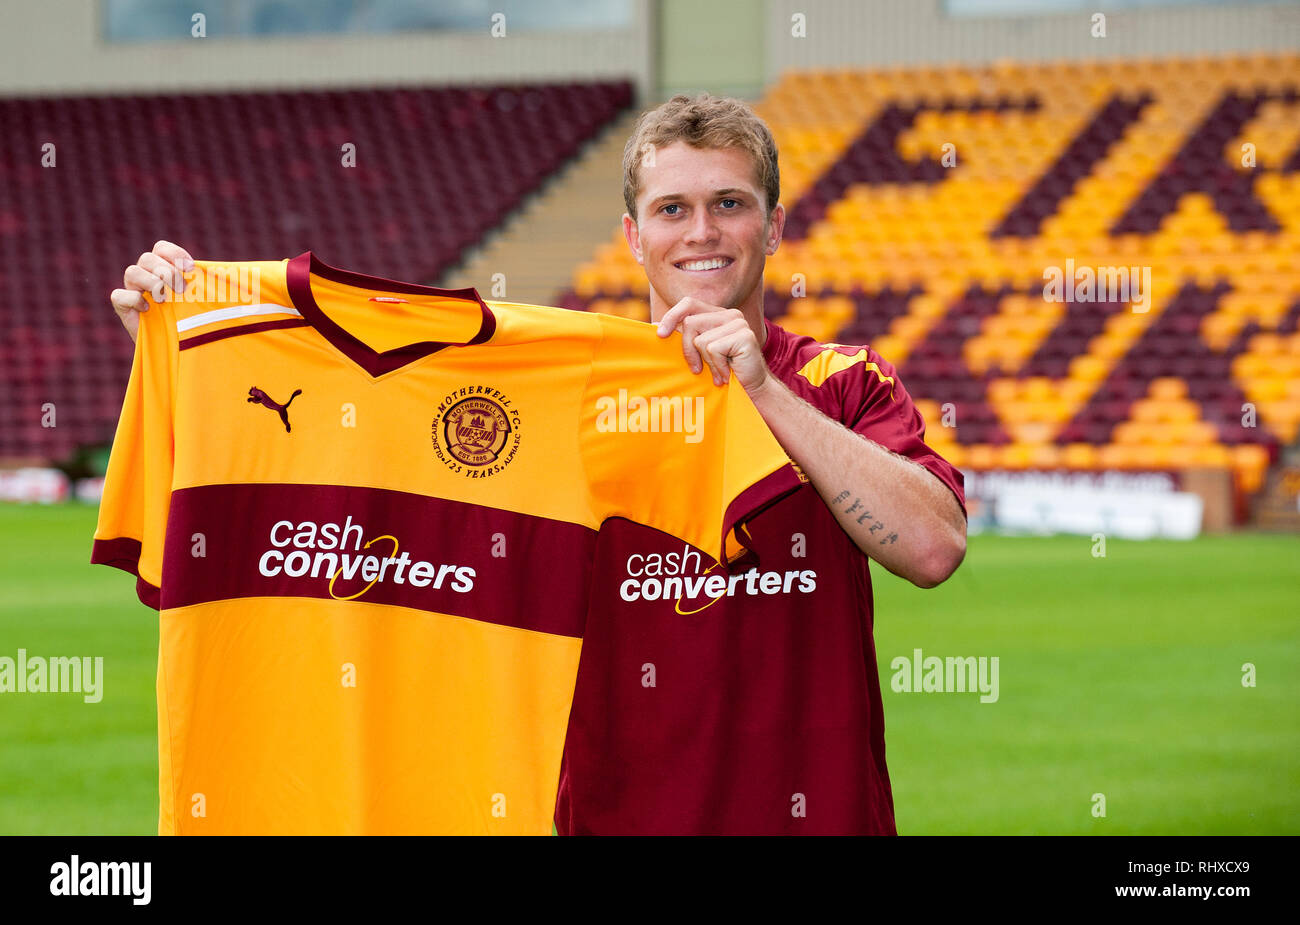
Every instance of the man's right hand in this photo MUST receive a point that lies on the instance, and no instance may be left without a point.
(155, 272)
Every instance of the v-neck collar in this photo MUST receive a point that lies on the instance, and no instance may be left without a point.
(298, 276)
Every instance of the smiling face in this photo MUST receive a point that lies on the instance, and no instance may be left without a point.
(702, 228)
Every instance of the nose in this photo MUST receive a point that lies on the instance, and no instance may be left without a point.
(702, 228)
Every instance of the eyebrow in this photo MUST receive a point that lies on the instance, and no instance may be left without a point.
(729, 191)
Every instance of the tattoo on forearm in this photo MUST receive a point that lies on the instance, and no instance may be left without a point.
(889, 538)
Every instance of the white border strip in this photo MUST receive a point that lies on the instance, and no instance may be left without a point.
(233, 311)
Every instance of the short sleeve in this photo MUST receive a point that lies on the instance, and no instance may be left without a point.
(132, 522)
(877, 405)
(666, 448)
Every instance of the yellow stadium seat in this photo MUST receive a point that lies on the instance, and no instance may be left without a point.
(982, 456)
(1168, 389)
(1079, 456)
(956, 454)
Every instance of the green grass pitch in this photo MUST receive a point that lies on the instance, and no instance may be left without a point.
(1119, 676)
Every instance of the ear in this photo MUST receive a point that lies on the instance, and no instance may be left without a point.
(632, 235)
(775, 229)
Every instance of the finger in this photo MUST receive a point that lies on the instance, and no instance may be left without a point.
(691, 329)
(695, 325)
(673, 317)
(718, 364)
(175, 254)
(165, 270)
(128, 300)
(138, 278)
(720, 344)
(668, 323)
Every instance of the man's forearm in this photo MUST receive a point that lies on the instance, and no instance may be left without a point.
(896, 511)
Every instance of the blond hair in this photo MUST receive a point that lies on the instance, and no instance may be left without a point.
(703, 122)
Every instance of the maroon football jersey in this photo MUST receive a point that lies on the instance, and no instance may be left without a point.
(748, 703)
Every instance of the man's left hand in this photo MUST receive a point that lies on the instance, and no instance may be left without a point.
(720, 337)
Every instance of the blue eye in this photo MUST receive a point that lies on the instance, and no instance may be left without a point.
(731, 200)
(671, 205)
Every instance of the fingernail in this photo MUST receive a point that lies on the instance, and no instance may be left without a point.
(187, 264)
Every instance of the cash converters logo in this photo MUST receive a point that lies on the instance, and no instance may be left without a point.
(476, 431)
(337, 554)
(677, 576)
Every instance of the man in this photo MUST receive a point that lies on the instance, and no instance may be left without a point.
(757, 708)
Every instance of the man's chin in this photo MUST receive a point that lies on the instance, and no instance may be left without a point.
(710, 295)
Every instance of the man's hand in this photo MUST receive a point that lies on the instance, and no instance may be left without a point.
(155, 272)
(720, 337)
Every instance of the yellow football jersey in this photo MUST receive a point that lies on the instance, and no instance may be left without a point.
(366, 512)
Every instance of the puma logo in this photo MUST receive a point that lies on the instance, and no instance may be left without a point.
(257, 397)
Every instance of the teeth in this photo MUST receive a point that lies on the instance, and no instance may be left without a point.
(714, 264)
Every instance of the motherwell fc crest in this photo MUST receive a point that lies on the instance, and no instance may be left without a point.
(476, 431)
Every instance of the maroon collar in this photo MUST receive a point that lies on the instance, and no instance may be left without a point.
(298, 279)
(774, 348)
